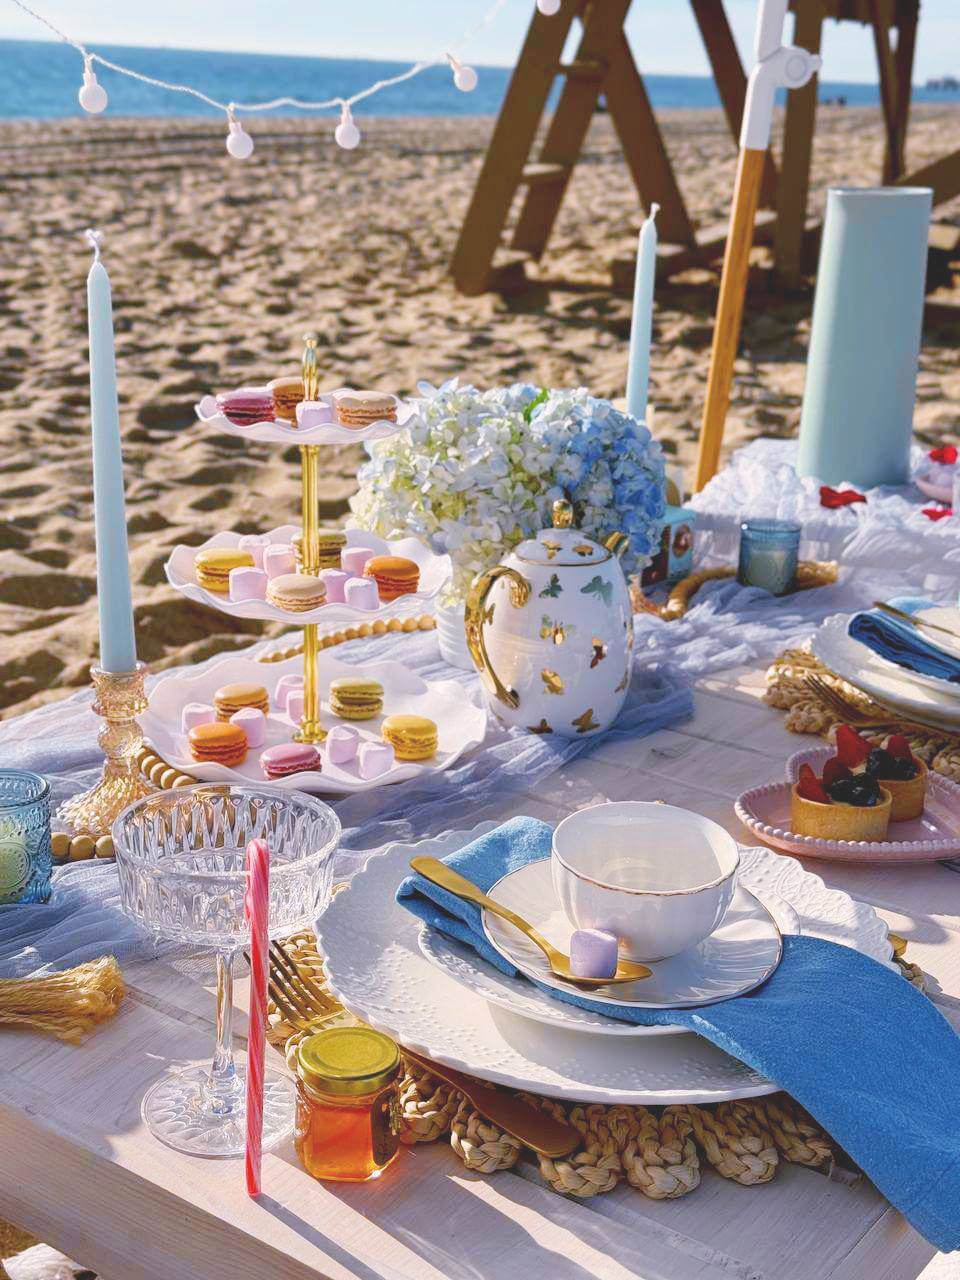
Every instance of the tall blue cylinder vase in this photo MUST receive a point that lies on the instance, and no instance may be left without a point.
(857, 419)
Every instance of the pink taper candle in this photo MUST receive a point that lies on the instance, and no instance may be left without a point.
(258, 912)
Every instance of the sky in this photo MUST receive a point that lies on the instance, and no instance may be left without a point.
(663, 34)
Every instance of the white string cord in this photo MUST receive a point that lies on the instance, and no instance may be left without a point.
(238, 143)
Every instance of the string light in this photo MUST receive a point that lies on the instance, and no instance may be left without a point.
(347, 134)
(93, 97)
(548, 7)
(465, 78)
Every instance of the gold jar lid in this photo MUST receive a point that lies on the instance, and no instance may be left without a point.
(348, 1061)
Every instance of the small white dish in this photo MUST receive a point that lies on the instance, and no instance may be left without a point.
(739, 955)
(657, 876)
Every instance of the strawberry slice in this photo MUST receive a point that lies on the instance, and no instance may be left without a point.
(810, 786)
(899, 745)
(851, 748)
(834, 770)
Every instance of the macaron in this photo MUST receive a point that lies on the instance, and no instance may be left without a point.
(279, 558)
(353, 560)
(213, 565)
(253, 723)
(374, 758)
(287, 393)
(230, 698)
(394, 575)
(246, 405)
(356, 697)
(358, 409)
(334, 580)
(412, 737)
(247, 584)
(221, 743)
(342, 744)
(361, 593)
(289, 757)
(195, 713)
(329, 544)
(296, 592)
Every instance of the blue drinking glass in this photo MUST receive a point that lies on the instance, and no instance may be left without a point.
(25, 858)
(769, 550)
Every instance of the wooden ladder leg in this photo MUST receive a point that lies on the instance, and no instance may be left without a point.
(548, 179)
(794, 184)
(908, 13)
(509, 149)
(636, 125)
(893, 156)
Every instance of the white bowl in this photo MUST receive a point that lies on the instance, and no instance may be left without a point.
(659, 877)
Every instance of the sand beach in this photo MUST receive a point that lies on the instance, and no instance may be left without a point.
(219, 267)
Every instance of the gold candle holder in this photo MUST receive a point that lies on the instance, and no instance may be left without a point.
(310, 729)
(119, 698)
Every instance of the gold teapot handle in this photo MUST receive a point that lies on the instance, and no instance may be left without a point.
(473, 619)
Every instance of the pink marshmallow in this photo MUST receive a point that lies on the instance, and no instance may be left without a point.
(253, 723)
(295, 705)
(254, 544)
(195, 713)
(361, 593)
(374, 758)
(354, 559)
(313, 413)
(593, 953)
(278, 558)
(334, 580)
(285, 686)
(247, 584)
(342, 744)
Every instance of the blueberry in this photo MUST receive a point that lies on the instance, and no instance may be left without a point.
(865, 792)
(880, 763)
(842, 790)
(902, 769)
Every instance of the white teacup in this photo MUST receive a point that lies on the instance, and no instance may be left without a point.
(658, 877)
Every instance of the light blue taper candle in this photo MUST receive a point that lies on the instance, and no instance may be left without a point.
(118, 651)
(641, 326)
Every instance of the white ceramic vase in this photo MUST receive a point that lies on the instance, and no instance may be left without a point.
(452, 636)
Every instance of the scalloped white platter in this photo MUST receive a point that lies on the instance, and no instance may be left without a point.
(935, 835)
(277, 431)
(375, 965)
(889, 684)
(461, 725)
(773, 880)
(435, 573)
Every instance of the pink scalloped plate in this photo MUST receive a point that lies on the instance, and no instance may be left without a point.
(935, 835)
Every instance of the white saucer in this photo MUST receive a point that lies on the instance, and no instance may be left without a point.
(738, 956)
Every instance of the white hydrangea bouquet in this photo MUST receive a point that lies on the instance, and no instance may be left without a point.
(479, 471)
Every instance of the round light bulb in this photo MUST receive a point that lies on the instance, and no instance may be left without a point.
(239, 142)
(548, 7)
(92, 95)
(465, 78)
(346, 134)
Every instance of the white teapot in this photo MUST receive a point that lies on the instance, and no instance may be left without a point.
(551, 631)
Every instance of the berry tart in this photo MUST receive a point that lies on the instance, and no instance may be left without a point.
(847, 802)
(901, 773)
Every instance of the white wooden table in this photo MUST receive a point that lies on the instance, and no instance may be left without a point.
(80, 1170)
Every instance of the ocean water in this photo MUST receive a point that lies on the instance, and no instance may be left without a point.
(41, 79)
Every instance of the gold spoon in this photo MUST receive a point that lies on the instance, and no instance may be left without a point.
(439, 873)
(919, 623)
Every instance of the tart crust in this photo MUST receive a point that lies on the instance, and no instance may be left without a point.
(908, 795)
(840, 821)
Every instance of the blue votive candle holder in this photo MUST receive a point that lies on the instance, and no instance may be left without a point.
(25, 857)
(769, 550)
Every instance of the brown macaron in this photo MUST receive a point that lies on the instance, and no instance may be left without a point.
(287, 394)
(359, 409)
(220, 743)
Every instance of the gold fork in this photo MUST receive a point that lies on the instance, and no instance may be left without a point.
(301, 1002)
(841, 706)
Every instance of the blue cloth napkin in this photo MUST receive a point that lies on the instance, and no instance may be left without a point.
(902, 644)
(865, 1052)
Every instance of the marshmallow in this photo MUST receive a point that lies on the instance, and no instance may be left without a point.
(354, 559)
(593, 953)
(295, 705)
(334, 580)
(284, 687)
(247, 584)
(278, 559)
(374, 758)
(342, 744)
(254, 544)
(361, 593)
(195, 713)
(253, 723)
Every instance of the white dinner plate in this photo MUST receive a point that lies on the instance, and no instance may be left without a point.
(943, 616)
(738, 956)
(461, 725)
(373, 961)
(435, 573)
(882, 680)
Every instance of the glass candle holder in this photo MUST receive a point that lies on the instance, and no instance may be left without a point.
(769, 550)
(25, 857)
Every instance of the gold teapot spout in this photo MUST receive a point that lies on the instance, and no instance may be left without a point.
(617, 543)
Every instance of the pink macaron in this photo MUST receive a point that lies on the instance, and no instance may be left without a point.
(246, 405)
(354, 560)
(287, 758)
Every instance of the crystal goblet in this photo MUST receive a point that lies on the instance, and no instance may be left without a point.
(181, 861)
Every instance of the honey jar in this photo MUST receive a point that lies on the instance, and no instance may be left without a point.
(347, 1104)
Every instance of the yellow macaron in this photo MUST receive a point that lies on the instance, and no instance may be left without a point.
(356, 698)
(412, 737)
(213, 566)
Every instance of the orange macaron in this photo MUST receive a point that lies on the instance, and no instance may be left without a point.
(394, 575)
(220, 742)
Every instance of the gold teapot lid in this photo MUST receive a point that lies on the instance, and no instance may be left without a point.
(563, 545)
